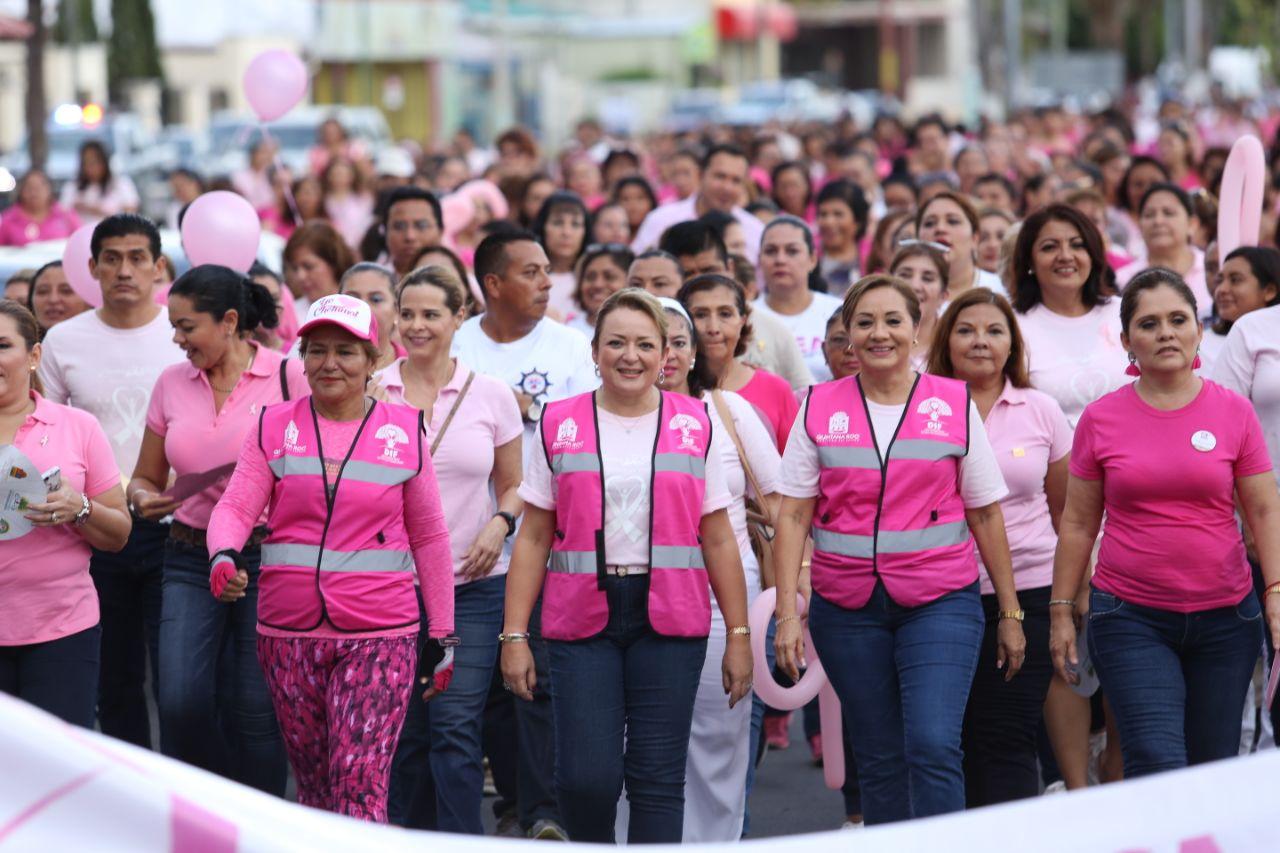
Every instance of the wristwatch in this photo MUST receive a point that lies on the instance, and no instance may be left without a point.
(1013, 614)
(86, 509)
(509, 519)
(534, 413)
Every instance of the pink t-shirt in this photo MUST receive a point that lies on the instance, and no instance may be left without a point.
(1075, 360)
(626, 446)
(19, 229)
(774, 401)
(198, 440)
(1171, 539)
(1027, 431)
(45, 589)
(487, 419)
(250, 491)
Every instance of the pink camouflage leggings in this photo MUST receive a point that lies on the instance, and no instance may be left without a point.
(341, 705)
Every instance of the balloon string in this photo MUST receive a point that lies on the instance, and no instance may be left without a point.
(278, 162)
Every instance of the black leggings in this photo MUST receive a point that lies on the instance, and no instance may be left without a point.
(60, 676)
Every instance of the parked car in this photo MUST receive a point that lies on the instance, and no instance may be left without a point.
(231, 135)
(780, 100)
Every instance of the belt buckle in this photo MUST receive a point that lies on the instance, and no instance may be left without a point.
(621, 571)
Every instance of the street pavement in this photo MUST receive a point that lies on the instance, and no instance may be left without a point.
(789, 796)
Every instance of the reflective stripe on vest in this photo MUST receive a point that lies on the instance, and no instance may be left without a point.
(290, 554)
(566, 463)
(664, 556)
(354, 469)
(890, 541)
(923, 449)
(678, 463)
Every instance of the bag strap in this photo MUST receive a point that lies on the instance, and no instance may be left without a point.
(284, 380)
(453, 411)
(726, 417)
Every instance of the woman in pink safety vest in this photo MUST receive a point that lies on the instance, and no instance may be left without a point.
(892, 472)
(627, 496)
(352, 512)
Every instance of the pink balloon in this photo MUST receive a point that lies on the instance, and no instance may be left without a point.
(832, 737)
(75, 263)
(1240, 203)
(773, 694)
(221, 227)
(274, 82)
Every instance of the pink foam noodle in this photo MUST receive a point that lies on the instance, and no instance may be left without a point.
(196, 830)
(1240, 199)
(812, 683)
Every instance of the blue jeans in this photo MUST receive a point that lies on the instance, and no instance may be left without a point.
(128, 585)
(623, 706)
(903, 676)
(1176, 681)
(59, 676)
(215, 710)
(535, 739)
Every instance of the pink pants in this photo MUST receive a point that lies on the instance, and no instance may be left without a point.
(341, 704)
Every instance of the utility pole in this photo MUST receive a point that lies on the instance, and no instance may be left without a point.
(37, 137)
(503, 101)
(1012, 53)
(1193, 25)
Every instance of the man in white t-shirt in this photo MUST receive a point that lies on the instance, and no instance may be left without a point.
(787, 258)
(542, 361)
(106, 362)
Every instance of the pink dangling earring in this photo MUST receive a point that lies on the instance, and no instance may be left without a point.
(1196, 363)
(1133, 369)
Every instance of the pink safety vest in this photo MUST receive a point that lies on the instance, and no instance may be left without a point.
(901, 520)
(574, 605)
(340, 554)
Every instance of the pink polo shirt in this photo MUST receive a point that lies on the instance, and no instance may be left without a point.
(19, 229)
(487, 419)
(1170, 539)
(1027, 431)
(45, 589)
(196, 439)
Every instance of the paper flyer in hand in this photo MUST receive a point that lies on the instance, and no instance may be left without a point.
(1272, 681)
(192, 484)
(20, 486)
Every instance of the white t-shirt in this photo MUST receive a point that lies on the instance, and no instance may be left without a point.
(626, 451)
(766, 465)
(119, 195)
(1249, 364)
(990, 281)
(809, 328)
(1211, 346)
(550, 363)
(1075, 360)
(981, 482)
(109, 373)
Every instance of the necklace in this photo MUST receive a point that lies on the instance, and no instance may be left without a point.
(247, 365)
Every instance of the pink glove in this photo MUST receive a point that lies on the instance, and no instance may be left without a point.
(222, 568)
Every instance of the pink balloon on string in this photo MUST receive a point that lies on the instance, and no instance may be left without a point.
(1240, 200)
(812, 683)
(75, 264)
(222, 228)
(274, 82)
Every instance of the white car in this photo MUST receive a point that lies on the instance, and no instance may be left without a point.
(231, 135)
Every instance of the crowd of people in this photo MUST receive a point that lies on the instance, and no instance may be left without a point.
(480, 486)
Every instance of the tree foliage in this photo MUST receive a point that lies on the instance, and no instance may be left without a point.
(132, 53)
(75, 22)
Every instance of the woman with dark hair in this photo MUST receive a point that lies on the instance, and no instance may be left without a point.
(561, 228)
(52, 299)
(96, 193)
(1174, 625)
(1177, 154)
(35, 214)
(50, 630)
(978, 341)
(348, 204)
(1142, 174)
(1167, 219)
(1072, 330)
(285, 332)
(927, 273)
(884, 239)
(719, 743)
(375, 286)
(601, 272)
(444, 256)
(315, 259)
(534, 191)
(637, 198)
(215, 711)
(1250, 279)
(842, 222)
(950, 219)
(792, 189)
(718, 306)
(609, 224)
(787, 259)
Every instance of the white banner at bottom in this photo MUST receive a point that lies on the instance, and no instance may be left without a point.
(64, 788)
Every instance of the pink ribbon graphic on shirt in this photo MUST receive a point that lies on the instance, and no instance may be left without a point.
(130, 403)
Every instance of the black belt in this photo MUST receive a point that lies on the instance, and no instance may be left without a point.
(198, 538)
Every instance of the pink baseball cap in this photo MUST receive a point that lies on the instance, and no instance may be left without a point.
(345, 312)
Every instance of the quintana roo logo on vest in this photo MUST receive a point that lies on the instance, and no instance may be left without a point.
(291, 440)
(838, 429)
(936, 408)
(566, 436)
(391, 435)
(687, 424)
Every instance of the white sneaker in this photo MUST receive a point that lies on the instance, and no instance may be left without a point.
(848, 824)
(1059, 787)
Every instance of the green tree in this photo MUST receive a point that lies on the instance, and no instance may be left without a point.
(75, 23)
(37, 139)
(132, 53)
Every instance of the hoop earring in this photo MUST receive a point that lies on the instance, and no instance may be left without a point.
(662, 378)
(597, 371)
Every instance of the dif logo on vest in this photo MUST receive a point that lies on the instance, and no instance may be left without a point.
(936, 408)
(390, 435)
(687, 425)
